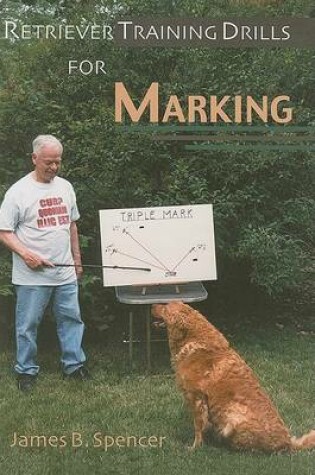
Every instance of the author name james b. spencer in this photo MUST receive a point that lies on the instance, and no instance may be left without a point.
(98, 440)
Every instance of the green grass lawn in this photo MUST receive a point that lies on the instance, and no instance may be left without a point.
(134, 404)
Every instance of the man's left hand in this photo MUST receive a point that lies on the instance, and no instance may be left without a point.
(78, 270)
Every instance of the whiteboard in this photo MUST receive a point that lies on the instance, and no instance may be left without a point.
(162, 245)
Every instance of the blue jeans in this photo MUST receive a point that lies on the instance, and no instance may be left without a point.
(30, 307)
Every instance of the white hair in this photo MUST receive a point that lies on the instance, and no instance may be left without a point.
(41, 140)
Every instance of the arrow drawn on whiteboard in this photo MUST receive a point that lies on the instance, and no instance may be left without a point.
(183, 258)
(199, 247)
(137, 259)
(147, 250)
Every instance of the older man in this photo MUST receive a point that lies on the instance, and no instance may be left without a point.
(38, 224)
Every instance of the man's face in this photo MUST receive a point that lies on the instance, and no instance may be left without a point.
(47, 162)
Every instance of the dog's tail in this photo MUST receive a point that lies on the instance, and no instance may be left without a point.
(305, 442)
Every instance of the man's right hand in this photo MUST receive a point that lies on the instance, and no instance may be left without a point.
(34, 261)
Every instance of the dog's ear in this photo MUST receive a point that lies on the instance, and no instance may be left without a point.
(174, 313)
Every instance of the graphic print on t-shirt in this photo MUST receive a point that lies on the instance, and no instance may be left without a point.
(52, 211)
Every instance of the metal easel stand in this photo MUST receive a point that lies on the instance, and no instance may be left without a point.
(131, 337)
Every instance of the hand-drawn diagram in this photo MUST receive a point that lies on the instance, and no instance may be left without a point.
(162, 245)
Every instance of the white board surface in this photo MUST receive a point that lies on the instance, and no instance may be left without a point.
(174, 243)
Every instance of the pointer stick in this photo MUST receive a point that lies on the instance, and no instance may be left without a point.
(146, 269)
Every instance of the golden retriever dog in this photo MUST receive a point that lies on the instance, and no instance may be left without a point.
(222, 392)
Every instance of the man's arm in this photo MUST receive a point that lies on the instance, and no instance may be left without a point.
(9, 239)
(75, 249)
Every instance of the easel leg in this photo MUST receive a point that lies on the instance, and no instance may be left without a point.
(131, 340)
(148, 335)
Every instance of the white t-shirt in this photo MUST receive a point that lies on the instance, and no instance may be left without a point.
(40, 215)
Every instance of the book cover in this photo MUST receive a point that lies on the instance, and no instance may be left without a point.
(162, 107)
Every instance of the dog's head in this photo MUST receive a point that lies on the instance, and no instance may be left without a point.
(184, 324)
(171, 313)
(177, 317)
